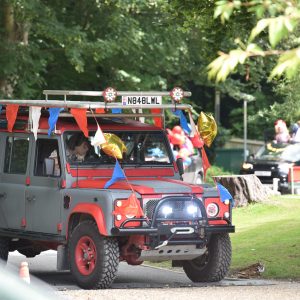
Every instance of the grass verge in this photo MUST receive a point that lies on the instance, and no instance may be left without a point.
(269, 233)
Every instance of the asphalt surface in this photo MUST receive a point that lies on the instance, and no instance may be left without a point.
(145, 282)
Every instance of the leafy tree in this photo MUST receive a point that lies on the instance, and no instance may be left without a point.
(277, 21)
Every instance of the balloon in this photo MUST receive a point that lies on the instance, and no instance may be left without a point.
(177, 129)
(207, 127)
(178, 139)
(114, 146)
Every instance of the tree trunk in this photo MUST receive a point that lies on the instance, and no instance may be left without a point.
(245, 188)
(13, 33)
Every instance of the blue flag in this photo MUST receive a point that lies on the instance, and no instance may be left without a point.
(116, 110)
(117, 175)
(224, 194)
(54, 112)
(183, 121)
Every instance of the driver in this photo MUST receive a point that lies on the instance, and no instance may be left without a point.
(79, 148)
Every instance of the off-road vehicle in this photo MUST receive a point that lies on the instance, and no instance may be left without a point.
(70, 210)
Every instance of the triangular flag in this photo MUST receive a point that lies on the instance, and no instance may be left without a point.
(80, 116)
(11, 115)
(54, 113)
(157, 120)
(183, 121)
(224, 193)
(205, 161)
(35, 113)
(132, 208)
(100, 111)
(116, 110)
(193, 126)
(99, 138)
(117, 175)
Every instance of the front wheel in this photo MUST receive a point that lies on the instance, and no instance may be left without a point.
(94, 259)
(214, 264)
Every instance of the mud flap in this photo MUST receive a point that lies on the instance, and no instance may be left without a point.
(63, 262)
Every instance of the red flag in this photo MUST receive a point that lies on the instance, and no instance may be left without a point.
(157, 120)
(100, 111)
(205, 161)
(80, 116)
(130, 208)
(11, 115)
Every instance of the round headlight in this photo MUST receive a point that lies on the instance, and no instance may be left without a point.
(212, 209)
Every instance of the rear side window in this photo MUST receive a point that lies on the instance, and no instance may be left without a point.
(16, 155)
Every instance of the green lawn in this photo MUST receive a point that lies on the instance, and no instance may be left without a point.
(269, 233)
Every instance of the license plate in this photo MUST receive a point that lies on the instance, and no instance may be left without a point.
(141, 100)
(262, 173)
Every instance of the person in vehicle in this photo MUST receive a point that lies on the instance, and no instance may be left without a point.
(79, 148)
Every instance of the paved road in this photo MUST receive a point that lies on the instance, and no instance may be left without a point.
(144, 282)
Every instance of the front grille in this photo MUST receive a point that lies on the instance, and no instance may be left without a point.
(149, 206)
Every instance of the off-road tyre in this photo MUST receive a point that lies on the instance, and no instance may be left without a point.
(102, 266)
(4, 249)
(29, 252)
(214, 264)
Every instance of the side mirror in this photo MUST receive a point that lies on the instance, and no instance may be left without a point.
(180, 167)
(49, 165)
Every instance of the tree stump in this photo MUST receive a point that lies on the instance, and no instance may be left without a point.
(245, 188)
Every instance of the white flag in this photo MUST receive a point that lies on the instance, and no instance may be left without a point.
(193, 126)
(99, 138)
(35, 113)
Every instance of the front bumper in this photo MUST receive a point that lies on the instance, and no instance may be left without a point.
(179, 231)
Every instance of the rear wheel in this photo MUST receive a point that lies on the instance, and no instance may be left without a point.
(4, 248)
(214, 264)
(94, 259)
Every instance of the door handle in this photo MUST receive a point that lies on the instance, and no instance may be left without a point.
(30, 198)
(3, 195)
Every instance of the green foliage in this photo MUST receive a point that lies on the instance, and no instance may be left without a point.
(283, 20)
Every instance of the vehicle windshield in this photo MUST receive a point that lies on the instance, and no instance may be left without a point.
(286, 152)
(142, 148)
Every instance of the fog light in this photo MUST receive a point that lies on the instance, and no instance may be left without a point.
(119, 217)
(192, 209)
(226, 215)
(166, 210)
(119, 203)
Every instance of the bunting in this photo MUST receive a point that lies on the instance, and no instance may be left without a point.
(132, 208)
(79, 115)
(116, 110)
(158, 122)
(183, 121)
(205, 161)
(224, 194)
(11, 115)
(99, 138)
(117, 175)
(54, 113)
(100, 111)
(35, 114)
